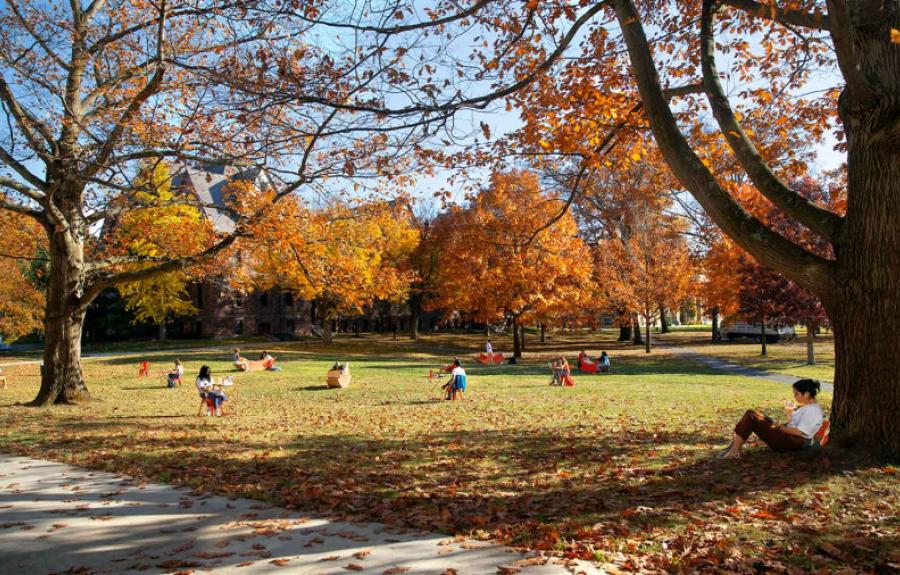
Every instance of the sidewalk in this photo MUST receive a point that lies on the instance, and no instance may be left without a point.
(55, 518)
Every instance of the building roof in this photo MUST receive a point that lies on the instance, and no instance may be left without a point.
(208, 184)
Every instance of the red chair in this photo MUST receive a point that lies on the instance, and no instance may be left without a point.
(144, 369)
(821, 436)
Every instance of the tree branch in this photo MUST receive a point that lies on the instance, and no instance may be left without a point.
(816, 21)
(767, 246)
(820, 220)
(858, 86)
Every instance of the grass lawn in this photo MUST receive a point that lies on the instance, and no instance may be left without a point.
(616, 469)
(784, 357)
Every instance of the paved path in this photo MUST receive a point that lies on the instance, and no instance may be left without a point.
(55, 518)
(722, 365)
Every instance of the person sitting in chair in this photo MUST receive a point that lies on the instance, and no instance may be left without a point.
(603, 360)
(457, 382)
(240, 362)
(803, 423)
(174, 377)
(208, 392)
(268, 361)
(561, 371)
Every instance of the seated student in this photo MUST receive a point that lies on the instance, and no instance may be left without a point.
(268, 361)
(561, 371)
(240, 362)
(604, 362)
(793, 435)
(208, 392)
(174, 377)
(457, 380)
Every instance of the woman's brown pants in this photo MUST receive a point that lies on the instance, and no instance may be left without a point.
(773, 436)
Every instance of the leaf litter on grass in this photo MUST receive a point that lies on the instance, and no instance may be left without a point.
(616, 470)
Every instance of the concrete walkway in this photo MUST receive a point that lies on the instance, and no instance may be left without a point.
(55, 518)
(722, 365)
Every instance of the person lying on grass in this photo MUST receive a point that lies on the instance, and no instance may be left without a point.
(804, 421)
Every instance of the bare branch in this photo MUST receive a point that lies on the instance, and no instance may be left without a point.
(816, 21)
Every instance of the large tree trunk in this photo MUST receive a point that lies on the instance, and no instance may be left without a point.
(636, 330)
(543, 332)
(517, 344)
(522, 331)
(810, 344)
(61, 376)
(716, 334)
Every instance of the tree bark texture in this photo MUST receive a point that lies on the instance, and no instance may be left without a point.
(636, 330)
(663, 321)
(810, 345)
(61, 376)
(762, 337)
(522, 331)
(517, 344)
(543, 333)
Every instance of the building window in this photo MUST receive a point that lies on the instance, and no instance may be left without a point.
(239, 327)
(264, 299)
(288, 299)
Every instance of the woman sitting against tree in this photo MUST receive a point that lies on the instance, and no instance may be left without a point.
(804, 421)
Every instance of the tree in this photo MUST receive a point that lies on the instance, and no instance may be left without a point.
(721, 280)
(21, 300)
(650, 266)
(343, 256)
(158, 222)
(764, 298)
(500, 260)
(89, 91)
(776, 50)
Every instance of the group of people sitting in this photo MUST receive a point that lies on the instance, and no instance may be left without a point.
(588, 365)
(562, 373)
(265, 361)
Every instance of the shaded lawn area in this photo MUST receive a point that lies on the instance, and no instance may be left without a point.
(616, 469)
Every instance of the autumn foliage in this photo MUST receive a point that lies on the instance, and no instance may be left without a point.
(500, 258)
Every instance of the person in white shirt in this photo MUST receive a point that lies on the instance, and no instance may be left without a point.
(175, 376)
(208, 391)
(804, 421)
(457, 380)
(489, 349)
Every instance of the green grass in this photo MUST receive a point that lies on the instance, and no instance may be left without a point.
(610, 469)
(787, 357)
